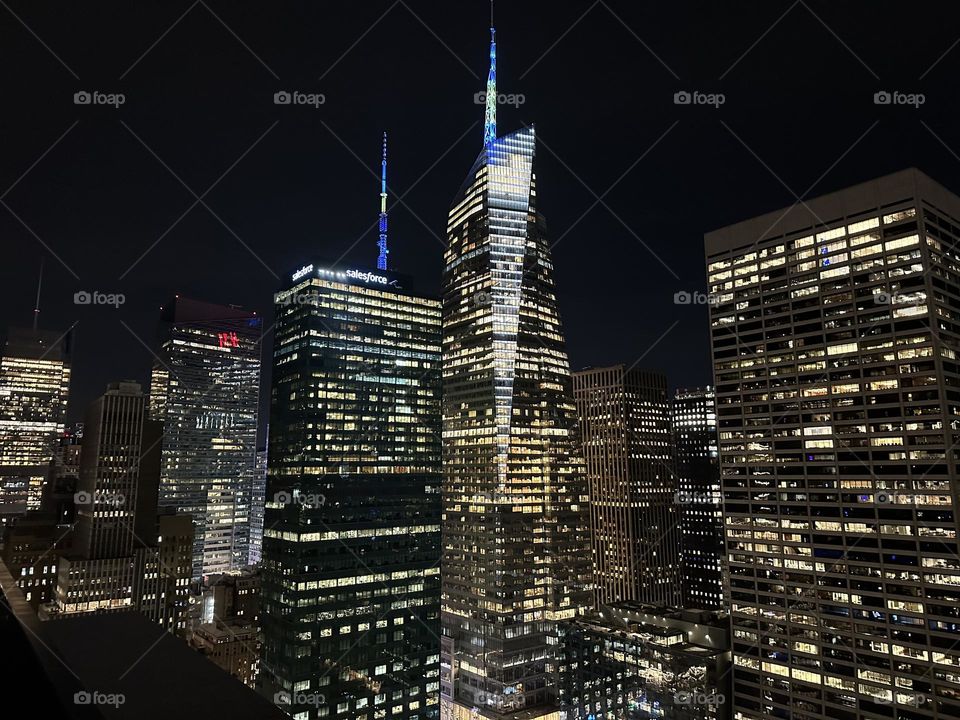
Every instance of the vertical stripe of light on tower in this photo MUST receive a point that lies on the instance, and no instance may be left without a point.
(490, 118)
(382, 242)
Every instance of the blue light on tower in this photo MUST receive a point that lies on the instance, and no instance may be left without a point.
(490, 118)
(382, 242)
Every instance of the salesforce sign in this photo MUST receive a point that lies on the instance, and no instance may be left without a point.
(361, 275)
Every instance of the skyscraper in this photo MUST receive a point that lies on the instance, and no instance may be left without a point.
(634, 523)
(351, 544)
(34, 384)
(835, 338)
(698, 498)
(515, 531)
(205, 389)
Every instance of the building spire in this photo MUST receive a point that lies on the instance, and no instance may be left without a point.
(382, 242)
(36, 307)
(490, 119)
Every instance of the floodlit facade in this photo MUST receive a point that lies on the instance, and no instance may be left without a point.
(205, 389)
(351, 545)
(698, 499)
(515, 526)
(835, 335)
(634, 520)
(34, 386)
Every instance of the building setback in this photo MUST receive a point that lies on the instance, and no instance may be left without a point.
(205, 389)
(698, 498)
(634, 521)
(34, 385)
(835, 332)
(515, 526)
(351, 545)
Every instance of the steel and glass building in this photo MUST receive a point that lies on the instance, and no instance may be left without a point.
(698, 498)
(34, 386)
(205, 389)
(515, 526)
(351, 544)
(836, 331)
(634, 520)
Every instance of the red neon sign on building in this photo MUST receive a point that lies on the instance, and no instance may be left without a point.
(228, 339)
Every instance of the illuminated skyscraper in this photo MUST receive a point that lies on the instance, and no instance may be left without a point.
(835, 333)
(351, 544)
(699, 499)
(205, 389)
(515, 529)
(634, 523)
(34, 384)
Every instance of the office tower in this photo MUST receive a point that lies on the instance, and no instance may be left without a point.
(34, 384)
(205, 389)
(834, 335)
(257, 498)
(123, 556)
(351, 576)
(62, 477)
(698, 499)
(515, 528)
(634, 523)
(232, 645)
(636, 661)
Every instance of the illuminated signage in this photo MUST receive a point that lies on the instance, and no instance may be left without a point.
(367, 277)
(305, 270)
(228, 339)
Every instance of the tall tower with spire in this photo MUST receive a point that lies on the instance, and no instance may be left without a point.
(382, 242)
(515, 525)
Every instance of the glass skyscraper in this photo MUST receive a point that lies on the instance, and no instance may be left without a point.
(698, 499)
(515, 529)
(351, 542)
(205, 389)
(34, 385)
(836, 334)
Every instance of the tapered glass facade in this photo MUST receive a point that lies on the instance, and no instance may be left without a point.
(205, 389)
(835, 331)
(351, 540)
(515, 528)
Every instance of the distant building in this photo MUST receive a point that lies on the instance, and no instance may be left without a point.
(698, 499)
(625, 432)
(34, 385)
(233, 645)
(32, 544)
(638, 662)
(257, 500)
(63, 475)
(205, 390)
(233, 596)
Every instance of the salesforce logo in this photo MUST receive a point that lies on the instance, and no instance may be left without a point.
(367, 277)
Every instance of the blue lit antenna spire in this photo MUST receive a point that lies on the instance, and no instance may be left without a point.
(490, 118)
(382, 242)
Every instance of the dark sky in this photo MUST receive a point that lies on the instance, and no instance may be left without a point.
(292, 183)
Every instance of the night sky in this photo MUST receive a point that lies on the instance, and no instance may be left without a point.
(109, 195)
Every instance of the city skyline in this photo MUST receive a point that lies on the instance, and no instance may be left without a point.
(178, 114)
